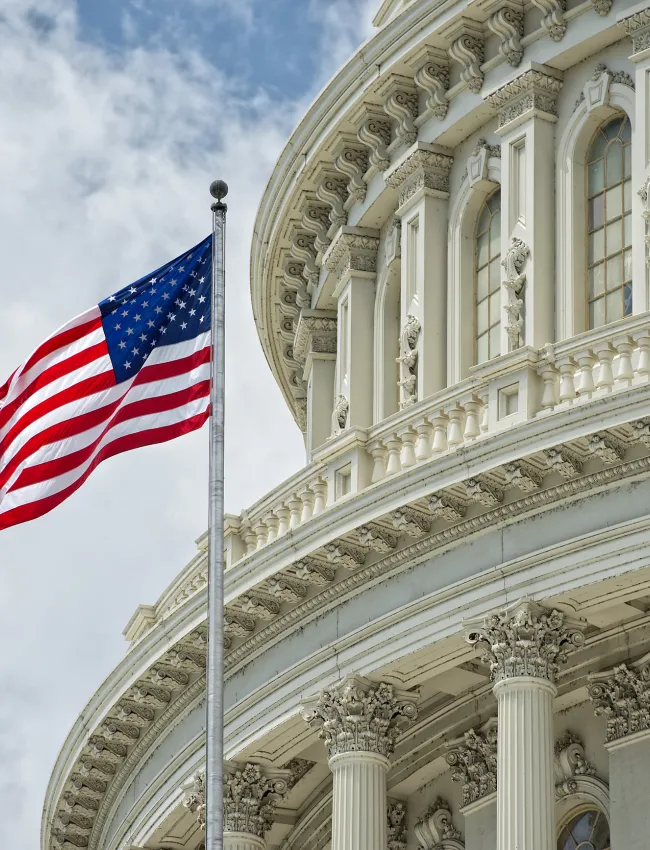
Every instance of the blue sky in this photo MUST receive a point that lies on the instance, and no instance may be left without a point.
(115, 116)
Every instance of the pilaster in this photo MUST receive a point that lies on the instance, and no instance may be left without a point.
(359, 723)
(524, 646)
(527, 113)
(315, 346)
(421, 178)
(352, 259)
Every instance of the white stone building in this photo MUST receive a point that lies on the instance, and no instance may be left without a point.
(438, 632)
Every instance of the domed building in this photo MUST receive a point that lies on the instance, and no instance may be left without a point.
(438, 631)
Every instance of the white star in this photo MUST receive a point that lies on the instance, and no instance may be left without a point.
(150, 324)
(118, 327)
(127, 365)
(125, 312)
(189, 256)
(152, 291)
(122, 344)
(163, 330)
(171, 317)
(192, 292)
(165, 295)
(137, 317)
(183, 325)
(152, 343)
(181, 269)
(143, 337)
(133, 290)
(112, 298)
(192, 312)
(201, 279)
(153, 280)
(129, 331)
(201, 319)
(134, 350)
(201, 299)
(178, 302)
(172, 282)
(181, 304)
(158, 310)
(145, 303)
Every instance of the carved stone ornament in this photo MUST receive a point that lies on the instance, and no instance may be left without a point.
(333, 191)
(622, 696)
(532, 90)
(473, 761)
(194, 797)
(360, 716)
(374, 133)
(340, 415)
(597, 88)
(508, 24)
(352, 250)
(436, 826)
(315, 334)
(526, 640)
(637, 26)
(477, 162)
(433, 77)
(644, 194)
(396, 827)
(513, 263)
(351, 160)
(467, 51)
(570, 762)
(553, 22)
(377, 538)
(401, 104)
(408, 361)
(603, 7)
(250, 795)
(422, 169)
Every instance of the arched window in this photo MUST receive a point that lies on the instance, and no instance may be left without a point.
(586, 830)
(488, 279)
(609, 223)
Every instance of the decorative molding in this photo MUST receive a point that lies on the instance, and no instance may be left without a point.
(445, 507)
(644, 194)
(514, 263)
(340, 415)
(637, 26)
(467, 49)
(432, 76)
(435, 828)
(477, 161)
(396, 826)
(316, 220)
(532, 90)
(423, 168)
(287, 589)
(564, 461)
(408, 361)
(597, 88)
(622, 696)
(570, 763)
(314, 572)
(375, 132)
(473, 761)
(603, 7)
(483, 492)
(359, 716)
(315, 333)
(606, 447)
(353, 249)
(377, 538)
(508, 24)
(401, 104)
(526, 640)
(408, 521)
(333, 191)
(304, 250)
(523, 475)
(553, 22)
(345, 554)
(194, 796)
(351, 160)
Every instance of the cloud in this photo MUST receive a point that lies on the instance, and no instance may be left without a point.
(106, 155)
(344, 24)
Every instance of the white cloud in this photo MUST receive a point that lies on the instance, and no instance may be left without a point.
(344, 24)
(105, 161)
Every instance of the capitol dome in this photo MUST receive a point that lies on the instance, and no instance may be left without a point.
(438, 631)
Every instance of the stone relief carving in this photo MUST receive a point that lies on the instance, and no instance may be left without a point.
(423, 169)
(596, 89)
(477, 162)
(637, 26)
(358, 716)
(408, 359)
(433, 77)
(352, 162)
(531, 90)
(194, 797)
(436, 826)
(570, 762)
(377, 538)
(513, 263)
(603, 7)
(622, 696)
(644, 194)
(402, 106)
(374, 133)
(340, 415)
(508, 25)
(473, 761)
(396, 827)
(250, 797)
(553, 21)
(333, 192)
(467, 50)
(526, 640)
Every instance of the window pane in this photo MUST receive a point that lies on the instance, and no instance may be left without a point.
(482, 250)
(627, 230)
(597, 313)
(495, 347)
(614, 237)
(482, 284)
(494, 202)
(495, 307)
(612, 128)
(596, 207)
(613, 203)
(596, 174)
(614, 164)
(597, 280)
(495, 274)
(600, 836)
(482, 348)
(614, 306)
(628, 160)
(626, 131)
(627, 299)
(627, 195)
(614, 273)
(483, 220)
(596, 245)
(495, 235)
(627, 265)
(482, 316)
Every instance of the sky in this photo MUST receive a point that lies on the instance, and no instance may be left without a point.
(114, 118)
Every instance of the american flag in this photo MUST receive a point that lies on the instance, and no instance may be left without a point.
(132, 371)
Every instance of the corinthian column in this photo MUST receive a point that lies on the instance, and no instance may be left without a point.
(250, 794)
(360, 722)
(524, 646)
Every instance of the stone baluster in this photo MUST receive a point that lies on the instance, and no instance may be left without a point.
(379, 454)
(424, 430)
(549, 376)
(283, 514)
(272, 523)
(319, 489)
(586, 362)
(295, 507)
(440, 424)
(456, 427)
(250, 539)
(307, 499)
(359, 723)
(250, 796)
(643, 344)
(394, 446)
(472, 421)
(605, 354)
(524, 646)
(407, 456)
(567, 367)
(261, 534)
(624, 348)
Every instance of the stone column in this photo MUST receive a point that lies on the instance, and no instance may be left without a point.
(352, 260)
(524, 645)
(250, 794)
(314, 345)
(421, 177)
(360, 722)
(473, 762)
(622, 696)
(527, 114)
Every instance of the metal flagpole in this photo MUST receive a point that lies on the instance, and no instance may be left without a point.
(214, 672)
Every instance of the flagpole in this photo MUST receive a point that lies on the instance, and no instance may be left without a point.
(214, 672)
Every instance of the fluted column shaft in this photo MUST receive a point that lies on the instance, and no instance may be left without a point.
(525, 778)
(359, 801)
(242, 841)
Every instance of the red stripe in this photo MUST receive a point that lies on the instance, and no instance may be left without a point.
(23, 513)
(143, 407)
(62, 339)
(58, 370)
(160, 371)
(103, 381)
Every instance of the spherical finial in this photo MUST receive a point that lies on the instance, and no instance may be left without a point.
(218, 189)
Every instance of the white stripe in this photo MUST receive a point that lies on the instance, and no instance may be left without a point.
(77, 408)
(47, 488)
(167, 353)
(21, 380)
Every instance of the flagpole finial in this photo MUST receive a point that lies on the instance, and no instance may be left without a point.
(218, 190)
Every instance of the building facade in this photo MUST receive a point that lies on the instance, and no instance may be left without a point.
(438, 631)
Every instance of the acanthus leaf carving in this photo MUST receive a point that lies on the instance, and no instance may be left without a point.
(407, 521)
(467, 51)
(396, 826)
(316, 220)
(433, 77)
(401, 105)
(514, 263)
(473, 761)
(287, 589)
(445, 507)
(333, 191)
(637, 26)
(570, 762)
(345, 554)
(553, 21)
(314, 572)
(407, 360)
(436, 826)
(374, 133)
(352, 161)
(523, 475)
(377, 538)
(622, 696)
(340, 414)
(508, 24)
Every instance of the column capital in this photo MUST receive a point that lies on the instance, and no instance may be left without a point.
(637, 26)
(570, 764)
(473, 761)
(436, 826)
(250, 794)
(315, 334)
(423, 167)
(526, 640)
(353, 250)
(622, 696)
(532, 93)
(359, 716)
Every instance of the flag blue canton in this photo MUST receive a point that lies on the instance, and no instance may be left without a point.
(165, 307)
